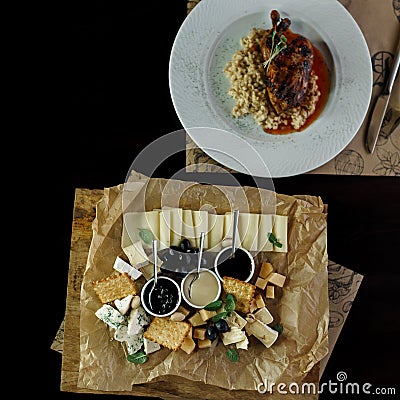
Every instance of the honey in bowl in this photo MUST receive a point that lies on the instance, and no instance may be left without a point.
(239, 266)
(205, 289)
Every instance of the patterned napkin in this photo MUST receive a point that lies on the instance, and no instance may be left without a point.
(380, 23)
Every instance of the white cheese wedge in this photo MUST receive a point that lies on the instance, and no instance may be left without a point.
(137, 320)
(236, 320)
(263, 315)
(266, 335)
(111, 316)
(234, 335)
(243, 344)
(150, 346)
(122, 266)
(124, 304)
(136, 256)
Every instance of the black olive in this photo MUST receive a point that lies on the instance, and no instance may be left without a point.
(175, 248)
(221, 326)
(185, 245)
(211, 332)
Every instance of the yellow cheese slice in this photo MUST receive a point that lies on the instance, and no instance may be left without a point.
(176, 226)
(265, 227)
(165, 232)
(200, 223)
(135, 223)
(249, 234)
(280, 232)
(215, 231)
(187, 226)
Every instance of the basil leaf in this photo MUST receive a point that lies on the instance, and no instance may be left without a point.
(219, 316)
(146, 235)
(233, 355)
(138, 358)
(229, 303)
(274, 240)
(278, 327)
(214, 306)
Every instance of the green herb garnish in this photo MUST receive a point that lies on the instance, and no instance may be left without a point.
(138, 358)
(229, 303)
(275, 49)
(233, 355)
(214, 305)
(278, 327)
(274, 240)
(219, 316)
(146, 235)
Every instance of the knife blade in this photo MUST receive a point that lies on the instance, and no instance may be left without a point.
(379, 109)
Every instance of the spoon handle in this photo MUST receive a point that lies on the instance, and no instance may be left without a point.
(235, 224)
(155, 260)
(200, 252)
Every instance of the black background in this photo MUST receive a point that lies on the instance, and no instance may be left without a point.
(118, 102)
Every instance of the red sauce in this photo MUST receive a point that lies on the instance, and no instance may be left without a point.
(324, 83)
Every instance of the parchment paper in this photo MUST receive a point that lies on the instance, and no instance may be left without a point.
(302, 306)
(379, 21)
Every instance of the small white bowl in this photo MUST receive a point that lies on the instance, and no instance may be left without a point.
(189, 277)
(147, 288)
(252, 265)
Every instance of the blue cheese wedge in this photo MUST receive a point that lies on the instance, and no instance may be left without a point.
(135, 343)
(150, 346)
(124, 304)
(111, 316)
(137, 320)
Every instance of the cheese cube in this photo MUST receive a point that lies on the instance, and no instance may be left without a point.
(188, 345)
(266, 269)
(277, 279)
(270, 292)
(259, 301)
(261, 283)
(206, 315)
(203, 344)
(199, 333)
(196, 319)
(183, 310)
(150, 346)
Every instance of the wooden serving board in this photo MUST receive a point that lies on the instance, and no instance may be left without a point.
(168, 387)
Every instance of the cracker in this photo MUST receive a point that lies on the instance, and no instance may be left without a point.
(242, 291)
(114, 287)
(167, 333)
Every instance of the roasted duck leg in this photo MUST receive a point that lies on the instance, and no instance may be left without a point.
(288, 64)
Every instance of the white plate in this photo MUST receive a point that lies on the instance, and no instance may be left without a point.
(206, 41)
